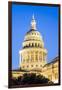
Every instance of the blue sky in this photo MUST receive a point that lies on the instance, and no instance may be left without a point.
(47, 24)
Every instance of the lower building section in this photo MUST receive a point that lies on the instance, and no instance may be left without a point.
(50, 70)
(32, 58)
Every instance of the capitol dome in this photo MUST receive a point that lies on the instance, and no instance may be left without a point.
(33, 38)
(33, 54)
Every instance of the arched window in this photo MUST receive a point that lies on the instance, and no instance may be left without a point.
(32, 44)
(35, 44)
(36, 56)
(38, 45)
(29, 44)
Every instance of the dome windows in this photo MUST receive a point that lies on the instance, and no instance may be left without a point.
(32, 66)
(35, 44)
(32, 44)
(33, 35)
(29, 44)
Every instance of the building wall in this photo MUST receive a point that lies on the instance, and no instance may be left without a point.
(33, 58)
(49, 71)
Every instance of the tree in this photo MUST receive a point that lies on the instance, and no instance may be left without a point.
(31, 78)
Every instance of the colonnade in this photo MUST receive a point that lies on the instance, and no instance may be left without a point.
(32, 56)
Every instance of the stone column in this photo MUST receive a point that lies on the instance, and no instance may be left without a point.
(38, 56)
(34, 56)
(42, 56)
(28, 57)
(24, 56)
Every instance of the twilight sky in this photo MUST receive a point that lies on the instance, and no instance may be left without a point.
(47, 24)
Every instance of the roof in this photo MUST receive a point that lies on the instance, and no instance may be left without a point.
(19, 70)
(32, 30)
(53, 61)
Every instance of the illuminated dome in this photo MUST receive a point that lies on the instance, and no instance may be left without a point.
(33, 38)
(33, 54)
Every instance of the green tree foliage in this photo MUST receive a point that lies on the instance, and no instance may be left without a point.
(31, 78)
